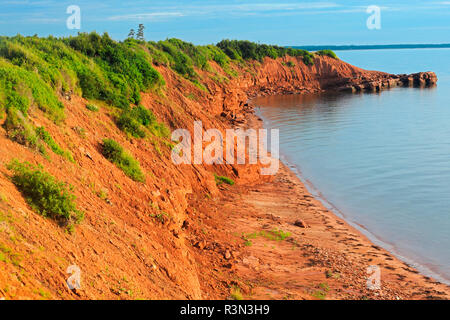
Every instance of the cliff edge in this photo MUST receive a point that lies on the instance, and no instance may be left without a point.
(141, 240)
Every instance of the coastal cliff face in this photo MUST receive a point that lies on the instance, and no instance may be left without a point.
(290, 75)
(141, 240)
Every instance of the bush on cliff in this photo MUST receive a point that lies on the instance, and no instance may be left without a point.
(96, 66)
(183, 56)
(46, 195)
(126, 65)
(221, 179)
(116, 154)
(45, 136)
(328, 53)
(35, 71)
(247, 50)
(134, 121)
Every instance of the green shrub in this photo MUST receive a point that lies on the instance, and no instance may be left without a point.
(115, 153)
(19, 129)
(274, 234)
(328, 53)
(236, 294)
(220, 180)
(183, 56)
(134, 121)
(246, 50)
(159, 57)
(130, 125)
(143, 115)
(290, 64)
(126, 65)
(46, 195)
(47, 138)
(95, 66)
(180, 62)
(20, 88)
(92, 107)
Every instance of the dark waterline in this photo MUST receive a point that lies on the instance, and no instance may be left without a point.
(380, 159)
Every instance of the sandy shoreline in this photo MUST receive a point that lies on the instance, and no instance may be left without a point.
(423, 268)
(269, 257)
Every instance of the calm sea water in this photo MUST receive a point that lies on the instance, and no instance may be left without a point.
(381, 160)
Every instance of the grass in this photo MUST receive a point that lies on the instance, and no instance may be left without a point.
(3, 198)
(321, 294)
(274, 235)
(19, 129)
(35, 71)
(47, 138)
(191, 96)
(328, 53)
(162, 217)
(92, 107)
(221, 180)
(236, 294)
(139, 121)
(116, 154)
(45, 194)
(290, 64)
(331, 274)
(7, 255)
(245, 50)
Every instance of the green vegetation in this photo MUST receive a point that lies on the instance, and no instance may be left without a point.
(115, 153)
(248, 243)
(236, 293)
(134, 121)
(275, 235)
(47, 138)
(35, 72)
(46, 195)
(220, 180)
(19, 129)
(125, 68)
(183, 57)
(246, 50)
(92, 107)
(290, 64)
(321, 294)
(9, 256)
(331, 274)
(3, 198)
(328, 53)
(20, 88)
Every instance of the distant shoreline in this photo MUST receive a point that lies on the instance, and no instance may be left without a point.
(373, 47)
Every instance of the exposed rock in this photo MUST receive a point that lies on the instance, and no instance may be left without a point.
(301, 224)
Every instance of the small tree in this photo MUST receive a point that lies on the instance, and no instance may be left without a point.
(131, 34)
(140, 33)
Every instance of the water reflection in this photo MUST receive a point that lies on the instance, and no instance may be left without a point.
(382, 159)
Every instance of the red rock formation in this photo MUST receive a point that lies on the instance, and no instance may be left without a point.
(142, 242)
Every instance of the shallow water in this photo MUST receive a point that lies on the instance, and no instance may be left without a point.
(382, 159)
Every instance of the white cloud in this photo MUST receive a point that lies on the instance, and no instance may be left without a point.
(243, 9)
(146, 16)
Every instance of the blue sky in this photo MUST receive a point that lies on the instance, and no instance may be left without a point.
(283, 22)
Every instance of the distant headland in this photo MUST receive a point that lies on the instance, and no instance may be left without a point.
(373, 47)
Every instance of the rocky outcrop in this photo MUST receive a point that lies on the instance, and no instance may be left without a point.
(421, 79)
(289, 75)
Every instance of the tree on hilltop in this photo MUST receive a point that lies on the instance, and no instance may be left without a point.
(140, 33)
(131, 34)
